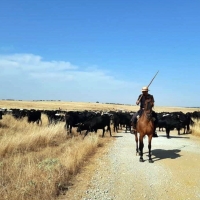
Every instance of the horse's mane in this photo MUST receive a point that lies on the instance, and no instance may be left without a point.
(148, 105)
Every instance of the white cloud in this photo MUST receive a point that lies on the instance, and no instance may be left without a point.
(28, 76)
(30, 62)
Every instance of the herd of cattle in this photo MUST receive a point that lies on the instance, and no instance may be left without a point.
(93, 120)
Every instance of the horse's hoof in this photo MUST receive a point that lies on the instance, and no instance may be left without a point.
(150, 161)
(141, 160)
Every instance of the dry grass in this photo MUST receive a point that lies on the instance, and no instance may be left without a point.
(37, 162)
(196, 128)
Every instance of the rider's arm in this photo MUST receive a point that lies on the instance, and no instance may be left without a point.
(138, 100)
(153, 100)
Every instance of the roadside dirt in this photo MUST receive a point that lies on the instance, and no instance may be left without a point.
(115, 172)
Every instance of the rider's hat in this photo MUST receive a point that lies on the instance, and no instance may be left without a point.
(145, 89)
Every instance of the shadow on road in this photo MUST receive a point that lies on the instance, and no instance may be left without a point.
(117, 136)
(174, 136)
(159, 154)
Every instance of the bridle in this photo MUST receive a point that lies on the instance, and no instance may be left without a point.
(148, 111)
(148, 115)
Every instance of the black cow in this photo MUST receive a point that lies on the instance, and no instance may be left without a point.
(174, 120)
(121, 119)
(98, 122)
(115, 121)
(1, 113)
(34, 116)
(169, 122)
(186, 121)
(54, 117)
(58, 117)
(195, 115)
(19, 113)
(74, 118)
(161, 120)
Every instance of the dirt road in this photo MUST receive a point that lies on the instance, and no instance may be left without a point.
(117, 174)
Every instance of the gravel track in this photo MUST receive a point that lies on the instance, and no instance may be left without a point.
(118, 175)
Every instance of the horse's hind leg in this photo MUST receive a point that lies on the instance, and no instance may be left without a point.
(141, 145)
(149, 147)
(136, 140)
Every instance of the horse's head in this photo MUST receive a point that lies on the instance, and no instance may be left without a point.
(148, 108)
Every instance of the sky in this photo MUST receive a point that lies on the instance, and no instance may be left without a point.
(105, 51)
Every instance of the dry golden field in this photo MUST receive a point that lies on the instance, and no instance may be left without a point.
(55, 105)
(38, 162)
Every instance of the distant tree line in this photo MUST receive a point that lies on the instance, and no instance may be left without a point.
(25, 100)
(46, 100)
(119, 104)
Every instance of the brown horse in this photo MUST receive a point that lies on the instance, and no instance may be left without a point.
(145, 126)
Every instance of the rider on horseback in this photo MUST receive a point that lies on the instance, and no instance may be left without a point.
(141, 100)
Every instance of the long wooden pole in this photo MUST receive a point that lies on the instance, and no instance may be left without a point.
(148, 85)
(152, 79)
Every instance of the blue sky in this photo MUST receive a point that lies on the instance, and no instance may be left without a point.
(106, 51)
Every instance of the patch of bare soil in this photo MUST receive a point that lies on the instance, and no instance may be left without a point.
(115, 172)
(81, 182)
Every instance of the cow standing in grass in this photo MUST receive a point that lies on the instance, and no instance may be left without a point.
(1, 113)
(54, 117)
(98, 122)
(74, 118)
(34, 116)
(19, 113)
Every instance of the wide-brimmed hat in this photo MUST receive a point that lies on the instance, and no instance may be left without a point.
(145, 88)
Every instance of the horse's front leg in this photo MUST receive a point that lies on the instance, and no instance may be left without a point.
(141, 145)
(149, 147)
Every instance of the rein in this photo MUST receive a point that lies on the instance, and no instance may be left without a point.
(148, 111)
(148, 115)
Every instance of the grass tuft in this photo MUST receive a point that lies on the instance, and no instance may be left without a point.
(195, 129)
